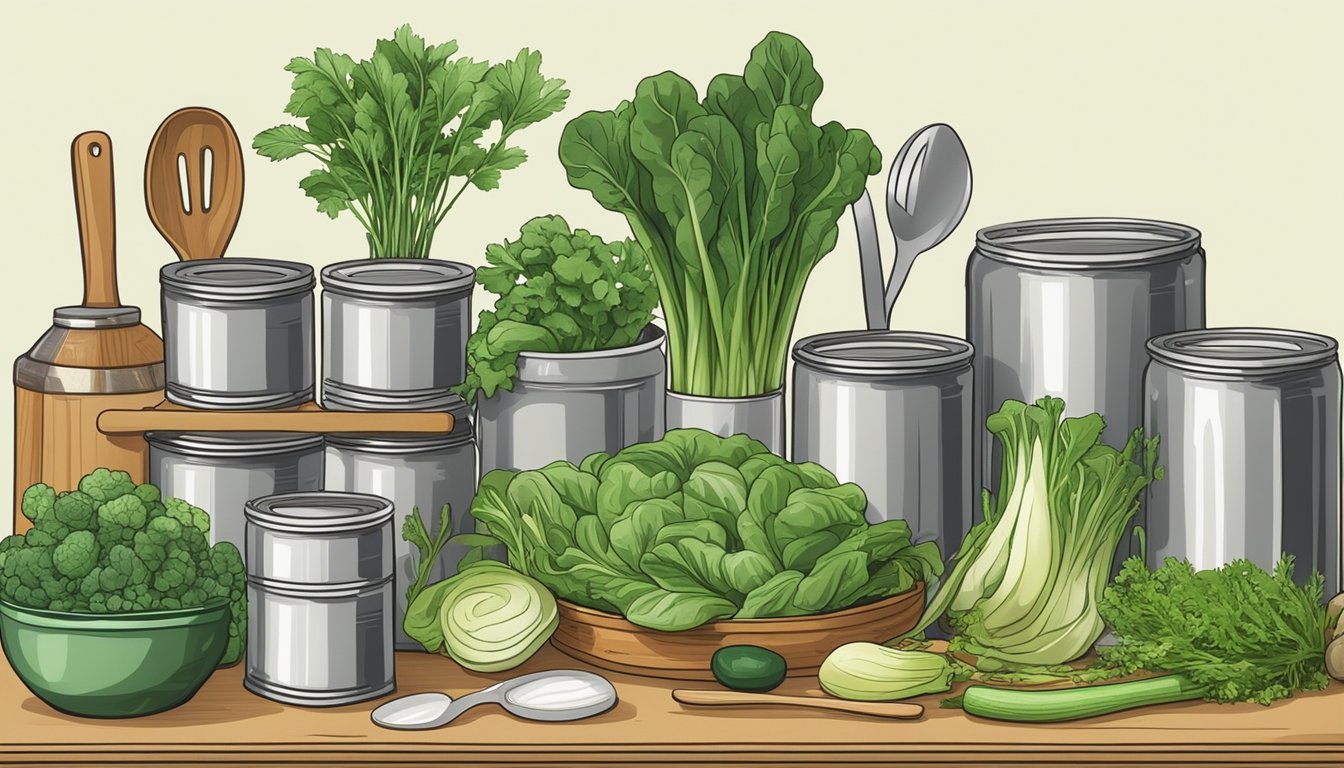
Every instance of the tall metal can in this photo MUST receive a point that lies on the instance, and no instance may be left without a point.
(1064, 307)
(1249, 420)
(891, 412)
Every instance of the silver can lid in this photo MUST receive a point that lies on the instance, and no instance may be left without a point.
(237, 279)
(235, 444)
(95, 317)
(883, 353)
(1087, 242)
(398, 278)
(318, 512)
(1244, 351)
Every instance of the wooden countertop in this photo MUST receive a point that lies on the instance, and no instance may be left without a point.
(226, 725)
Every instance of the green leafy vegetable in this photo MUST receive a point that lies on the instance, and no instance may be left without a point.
(413, 530)
(116, 547)
(487, 617)
(696, 527)
(559, 291)
(393, 132)
(735, 198)
(1235, 633)
(1028, 578)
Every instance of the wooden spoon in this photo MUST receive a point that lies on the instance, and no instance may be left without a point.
(194, 182)
(736, 698)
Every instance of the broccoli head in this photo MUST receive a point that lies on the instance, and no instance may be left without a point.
(176, 575)
(38, 499)
(26, 570)
(104, 485)
(76, 511)
(76, 555)
(147, 493)
(37, 537)
(188, 515)
(119, 519)
(123, 560)
(227, 579)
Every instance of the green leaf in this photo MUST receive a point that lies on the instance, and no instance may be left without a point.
(282, 142)
(675, 611)
(773, 598)
(829, 581)
(520, 95)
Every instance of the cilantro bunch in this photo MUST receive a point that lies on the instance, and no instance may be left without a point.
(401, 135)
(559, 291)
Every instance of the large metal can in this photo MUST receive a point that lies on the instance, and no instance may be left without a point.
(238, 333)
(567, 405)
(1063, 307)
(394, 333)
(1249, 421)
(891, 412)
(221, 471)
(412, 470)
(319, 591)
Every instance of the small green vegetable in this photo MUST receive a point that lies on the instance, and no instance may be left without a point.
(559, 291)
(394, 130)
(116, 547)
(871, 672)
(1076, 703)
(748, 668)
(488, 617)
(413, 530)
(695, 527)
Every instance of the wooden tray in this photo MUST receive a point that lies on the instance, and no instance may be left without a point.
(170, 417)
(610, 642)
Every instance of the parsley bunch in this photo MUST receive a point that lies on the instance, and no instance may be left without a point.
(559, 291)
(401, 135)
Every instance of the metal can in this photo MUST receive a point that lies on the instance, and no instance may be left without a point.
(424, 471)
(891, 412)
(1063, 307)
(319, 589)
(220, 471)
(394, 333)
(1249, 422)
(565, 406)
(238, 333)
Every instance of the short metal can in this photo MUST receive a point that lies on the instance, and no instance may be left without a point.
(238, 333)
(891, 412)
(425, 471)
(319, 588)
(221, 471)
(394, 333)
(1249, 424)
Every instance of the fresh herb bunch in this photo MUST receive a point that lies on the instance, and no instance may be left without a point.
(111, 546)
(395, 130)
(1238, 632)
(734, 198)
(559, 291)
(414, 530)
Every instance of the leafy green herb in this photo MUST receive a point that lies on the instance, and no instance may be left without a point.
(735, 198)
(696, 527)
(413, 529)
(559, 291)
(393, 132)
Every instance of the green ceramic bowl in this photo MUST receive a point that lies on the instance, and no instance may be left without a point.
(114, 664)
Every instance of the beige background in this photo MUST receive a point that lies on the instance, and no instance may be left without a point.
(1224, 115)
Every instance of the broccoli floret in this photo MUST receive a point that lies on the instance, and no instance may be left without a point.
(124, 561)
(52, 526)
(188, 515)
(90, 584)
(31, 565)
(76, 555)
(156, 510)
(98, 603)
(104, 485)
(111, 580)
(38, 499)
(119, 519)
(150, 550)
(177, 575)
(7, 545)
(36, 537)
(147, 493)
(230, 581)
(76, 511)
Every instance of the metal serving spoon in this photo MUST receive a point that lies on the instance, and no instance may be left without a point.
(562, 694)
(928, 191)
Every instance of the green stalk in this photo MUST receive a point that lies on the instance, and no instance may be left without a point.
(1053, 706)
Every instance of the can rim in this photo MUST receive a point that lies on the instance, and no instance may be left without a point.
(349, 511)
(1153, 241)
(650, 338)
(426, 277)
(397, 443)
(234, 443)
(1211, 349)
(943, 352)
(252, 278)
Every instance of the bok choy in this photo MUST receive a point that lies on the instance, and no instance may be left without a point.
(1028, 579)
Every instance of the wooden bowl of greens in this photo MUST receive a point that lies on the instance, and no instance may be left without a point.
(668, 550)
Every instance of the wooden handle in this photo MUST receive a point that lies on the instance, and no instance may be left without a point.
(730, 698)
(309, 418)
(91, 167)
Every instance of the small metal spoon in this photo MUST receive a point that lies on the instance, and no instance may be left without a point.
(562, 694)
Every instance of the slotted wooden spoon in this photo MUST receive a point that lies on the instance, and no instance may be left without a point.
(194, 182)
